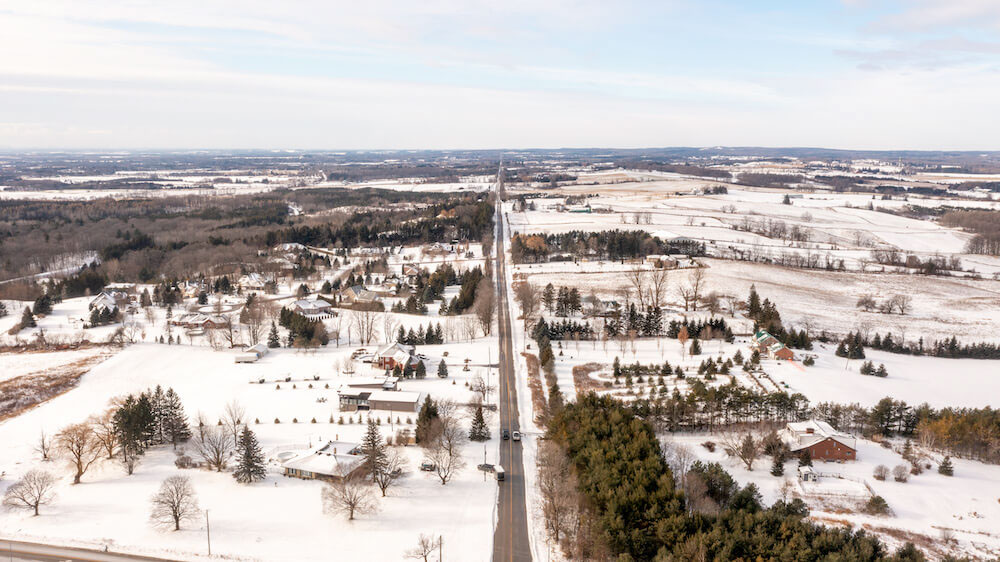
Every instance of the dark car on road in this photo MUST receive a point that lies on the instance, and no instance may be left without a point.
(505, 434)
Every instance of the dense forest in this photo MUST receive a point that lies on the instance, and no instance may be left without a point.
(629, 507)
(985, 225)
(609, 244)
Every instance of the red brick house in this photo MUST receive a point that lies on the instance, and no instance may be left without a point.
(821, 440)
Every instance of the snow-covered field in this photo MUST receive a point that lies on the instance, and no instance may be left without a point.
(967, 504)
(280, 518)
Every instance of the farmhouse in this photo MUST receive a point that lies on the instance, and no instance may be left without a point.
(109, 300)
(312, 308)
(358, 294)
(395, 354)
(770, 347)
(252, 282)
(352, 400)
(662, 261)
(335, 460)
(821, 440)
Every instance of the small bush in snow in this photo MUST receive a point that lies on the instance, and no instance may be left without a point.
(881, 471)
(710, 445)
(901, 473)
(876, 505)
(276, 420)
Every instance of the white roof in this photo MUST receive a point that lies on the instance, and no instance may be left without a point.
(326, 464)
(798, 436)
(394, 396)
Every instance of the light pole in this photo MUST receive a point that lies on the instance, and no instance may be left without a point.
(208, 533)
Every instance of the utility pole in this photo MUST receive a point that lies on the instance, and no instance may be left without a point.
(440, 548)
(208, 533)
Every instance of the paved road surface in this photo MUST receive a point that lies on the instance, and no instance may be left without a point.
(24, 551)
(510, 542)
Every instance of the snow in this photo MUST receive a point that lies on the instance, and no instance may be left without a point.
(112, 508)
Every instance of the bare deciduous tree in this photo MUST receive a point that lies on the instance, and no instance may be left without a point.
(389, 470)
(426, 546)
(480, 386)
(389, 326)
(350, 495)
(691, 291)
(215, 447)
(79, 444)
(364, 322)
(744, 446)
(658, 283)
(44, 445)
(445, 450)
(34, 489)
(176, 501)
(234, 418)
(527, 296)
(105, 433)
(485, 305)
(557, 484)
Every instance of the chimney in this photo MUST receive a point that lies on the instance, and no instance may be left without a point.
(809, 431)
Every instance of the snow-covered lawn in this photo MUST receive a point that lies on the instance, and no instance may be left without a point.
(281, 518)
(967, 504)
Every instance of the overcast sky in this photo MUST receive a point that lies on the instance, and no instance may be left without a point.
(326, 74)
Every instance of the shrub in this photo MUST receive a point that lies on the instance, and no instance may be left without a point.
(881, 472)
(183, 461)
(809, 361)
(946, 467)
(295, 420)
(901, 473)
(256, 421)
(710, 445)
(876, 505)
(276, 420)
(313, 420)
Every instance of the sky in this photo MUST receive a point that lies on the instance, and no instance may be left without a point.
(437, 74)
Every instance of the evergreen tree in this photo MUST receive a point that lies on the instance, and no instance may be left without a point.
(250, 462)
(753, 302)
(805, 458)
(695, 347)
(946, 467)
(442, 370)
(425, 419)
(175, 423)
(778, 465)
(373, 448)
(27, 319)
(479, 430)
(273, 340)
(421, 371)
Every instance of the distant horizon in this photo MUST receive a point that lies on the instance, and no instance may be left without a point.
(176, 150)
(861, 74)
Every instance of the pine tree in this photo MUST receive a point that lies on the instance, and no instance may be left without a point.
(421, 370)
(250, 464)
(479, 431)
(373, 448)
(27, 319)
(946, 467)
(695, 347)
(805, 459)
(425, 419)
(175, 421)
(442, 370)
(778, 465)
(273, 340)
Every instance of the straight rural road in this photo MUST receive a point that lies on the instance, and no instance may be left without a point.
(17, 550)
(510, 541)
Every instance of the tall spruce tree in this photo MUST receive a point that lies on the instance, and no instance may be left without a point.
(27, 319)
(373, 448)
(250, 464)
(442, 370)
(479, 430)
(175, 421)
(273, 340)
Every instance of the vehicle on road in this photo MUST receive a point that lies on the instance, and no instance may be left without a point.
(485, 467)
(428, 466)
(516, 436)
(500, 473)
(505, 435)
